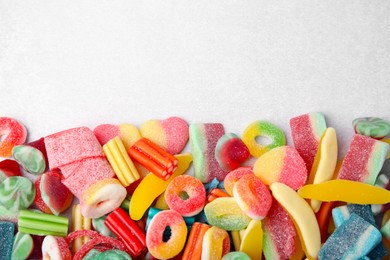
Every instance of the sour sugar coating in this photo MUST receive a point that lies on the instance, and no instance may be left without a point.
(231, 152)
(226, 214)
(23, 246)
(281, 164)
(6, 239)
(154, 237)
(12, 133)
(216, 243)
(71, 145)
(233, 176)
(54, 247)
(203, 140)
(153, 211)
(171, 133)
(9, 168)
(265, 130)
(279, 234)
(306, 132)
(127, 231)
(186, 195)
(252, 196)
(128, 133)
(30, 158)
(102, 197)
(371, 126)
(364, 159)
(343, 213)
(52, 196)
(16, 193)
(82, 174)
(354, 239)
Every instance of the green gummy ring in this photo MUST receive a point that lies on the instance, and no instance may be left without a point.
(263, 129)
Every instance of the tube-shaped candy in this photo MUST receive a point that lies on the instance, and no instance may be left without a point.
(134, 238)
(79, 222)
(120, 161)
(154, 158)
(193, 249)
(41, 224)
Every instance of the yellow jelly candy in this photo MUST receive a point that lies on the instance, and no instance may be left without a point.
(120, 161)
(212, 246)
(152, 186)
(252, 240)
(324, 163)
(302, 215)
(346, 191)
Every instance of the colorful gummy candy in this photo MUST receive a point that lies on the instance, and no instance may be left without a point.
(244, 197)
(12, 133)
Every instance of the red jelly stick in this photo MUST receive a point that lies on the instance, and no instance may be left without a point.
(134, 238)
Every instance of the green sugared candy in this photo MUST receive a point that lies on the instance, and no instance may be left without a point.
(23, 246)
(30, 158)
(16, 193)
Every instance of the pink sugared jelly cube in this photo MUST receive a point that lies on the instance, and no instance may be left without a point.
(364, 159)
(71, 145)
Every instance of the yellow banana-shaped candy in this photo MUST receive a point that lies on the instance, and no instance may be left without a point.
(302, 215)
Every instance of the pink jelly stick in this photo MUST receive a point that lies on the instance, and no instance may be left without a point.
(306, 131)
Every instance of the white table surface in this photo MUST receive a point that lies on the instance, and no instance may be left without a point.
(70, 63)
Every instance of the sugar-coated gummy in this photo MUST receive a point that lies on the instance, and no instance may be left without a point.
(342, 213)
(279, 233)
(354, 239)
(364, 159)
(6, 240)
(236, 256)
(306, 132)
(266, 130)
(203, 140)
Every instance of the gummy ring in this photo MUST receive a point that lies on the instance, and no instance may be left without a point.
(154, 237)
(11, 133)
(252, 196)
(262, 129)
(186, 195)
(102, 197)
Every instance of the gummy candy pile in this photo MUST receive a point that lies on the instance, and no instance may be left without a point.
(128, 192)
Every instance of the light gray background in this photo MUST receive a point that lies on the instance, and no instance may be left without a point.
(70, 63)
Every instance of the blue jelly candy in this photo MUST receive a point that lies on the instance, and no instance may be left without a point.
(6, 240)
(353, 239)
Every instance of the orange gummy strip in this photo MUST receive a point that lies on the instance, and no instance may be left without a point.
(156, 153)
(216, 193)
(147, 162)
(193, 249)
